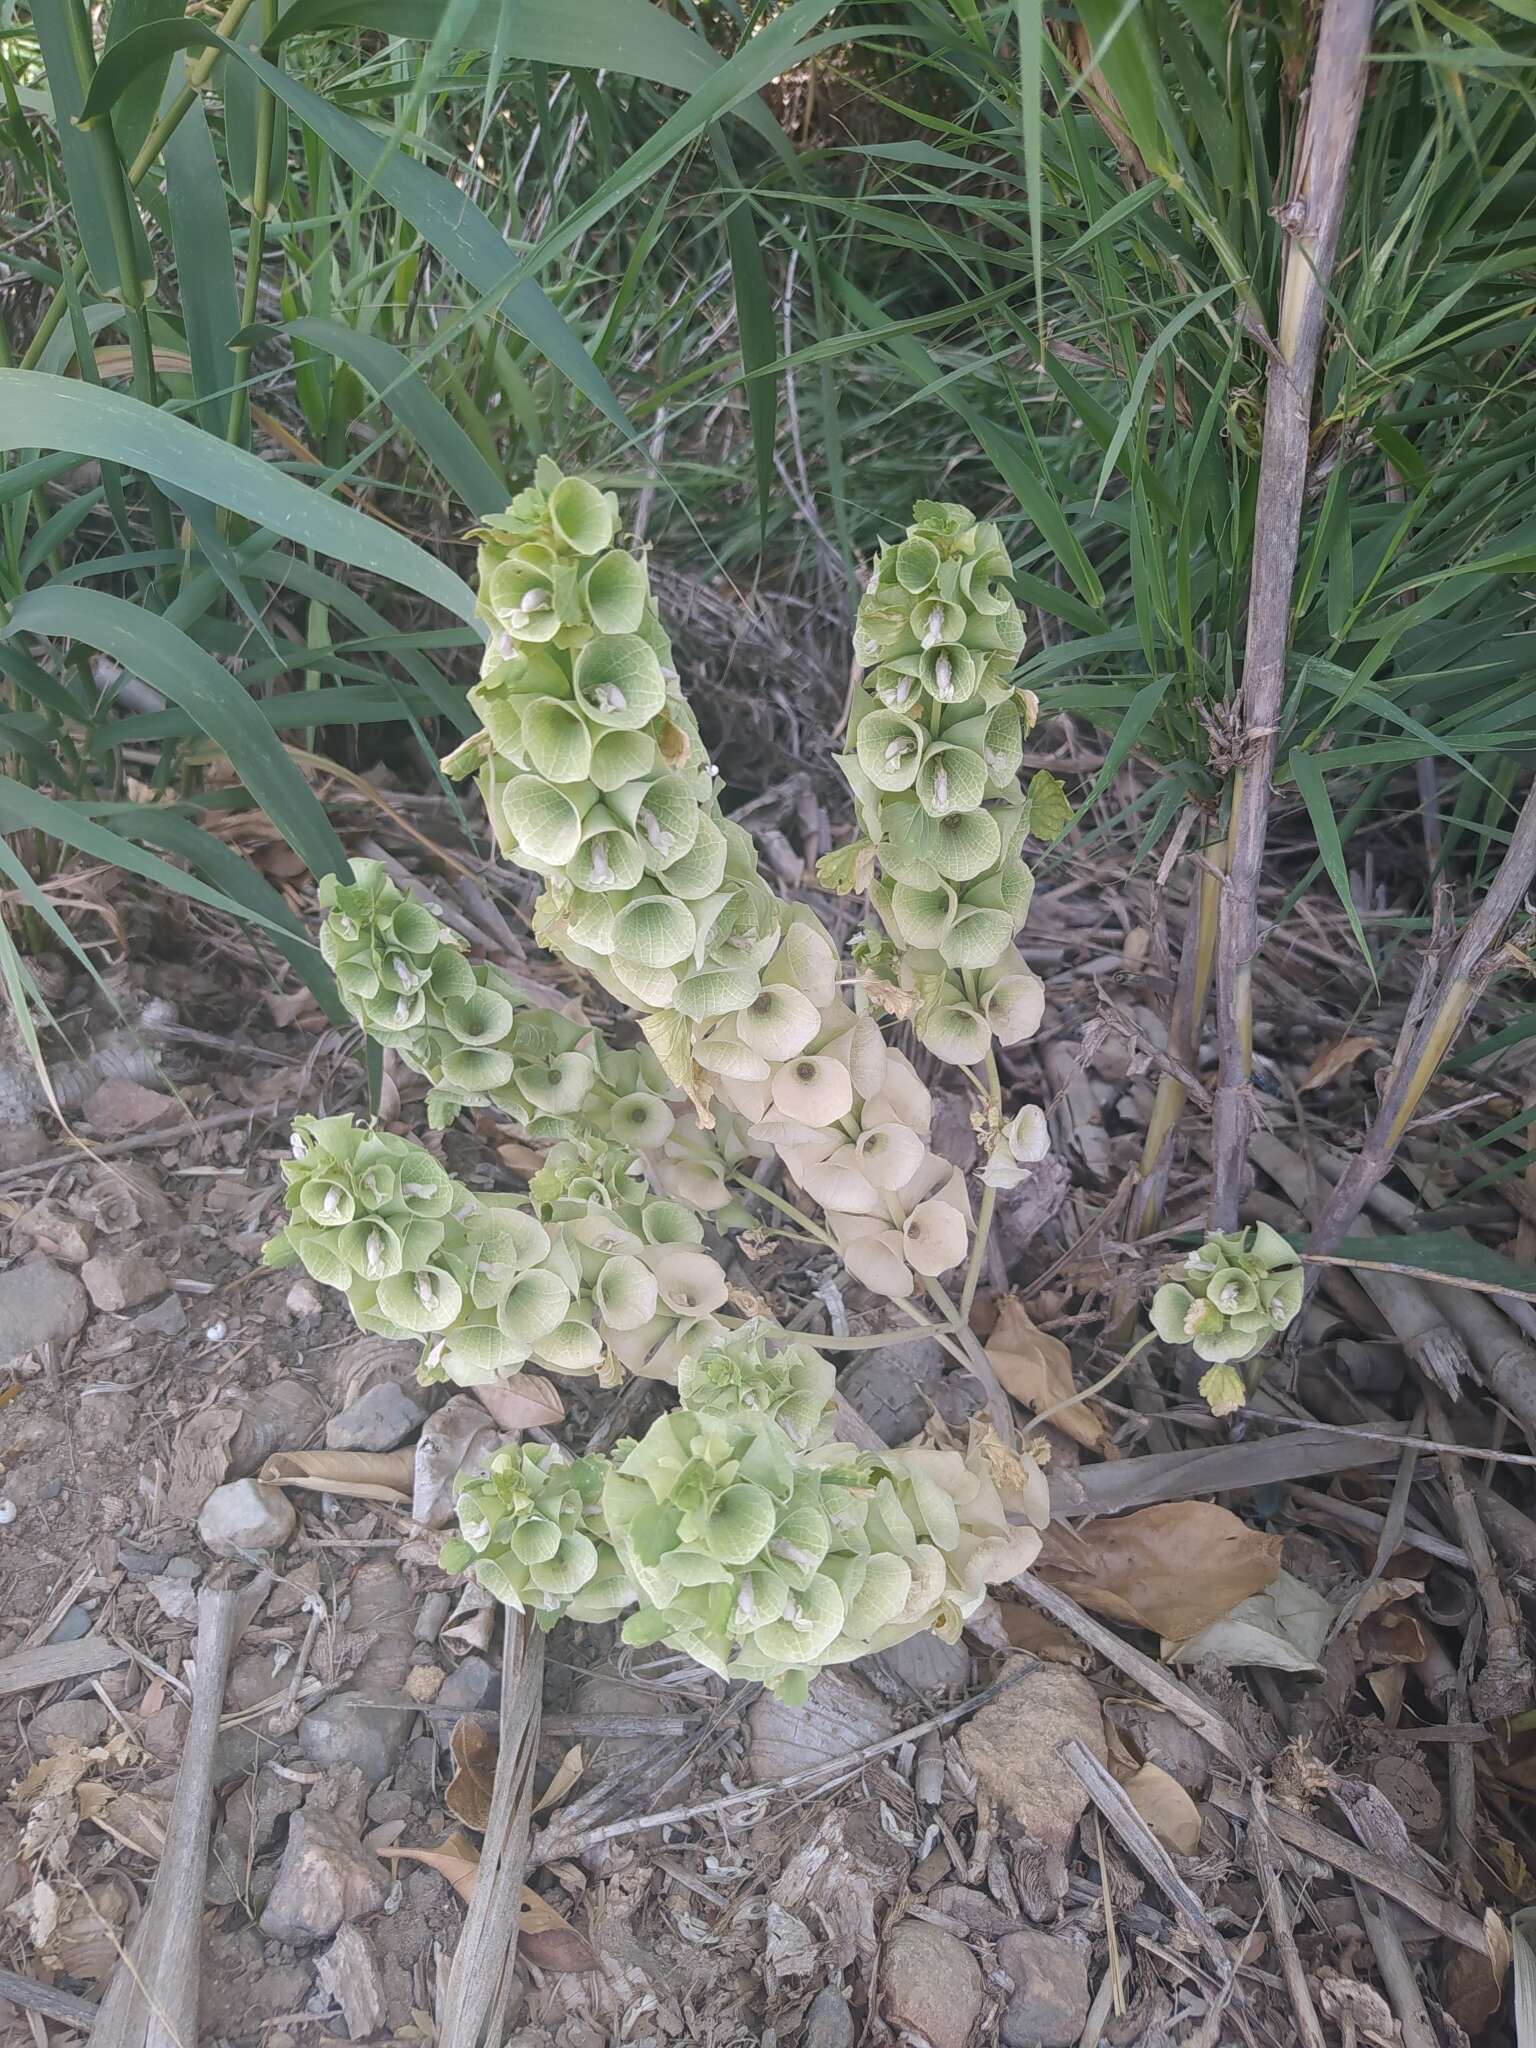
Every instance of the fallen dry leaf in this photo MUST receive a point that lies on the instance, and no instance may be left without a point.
(520, 1157)
(1028, 1629)
(468, 1797)
(544, 1936)
(199, 1460)
(352, 1475)
(1174, 1568)
(525, 1401)
(548, 1939)
(455, 1858)
(1166, 1808)
(119, 1108)
(1332, 1061)
(567, 1773)
(1037, 1370)
(1284, 1628)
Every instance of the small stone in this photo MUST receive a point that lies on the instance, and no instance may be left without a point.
(424, 1682)
(349, 1971)
(378, 1420)
(828, 2023)
(142, 1564)
(303, 1299)
(327, 1878)
(166, 1319)
(54, 1231)
(351, 1728)
(68, 1724)
(1014, 1749)
(75, 1625)
(245, 1516)
(1050, 1989)
(40, 1303)
(284, 1416)
(931, 1984)
(119, 1280)
(471, 1686)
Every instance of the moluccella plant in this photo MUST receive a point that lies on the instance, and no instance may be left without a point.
(1227, 1300)
(739, 1529)
(937, 735)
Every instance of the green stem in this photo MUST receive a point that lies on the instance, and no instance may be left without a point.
(114, 189)
(250, 304)
(776, 1201)
(138, 171)
(988, 1194)
(1087, 1393)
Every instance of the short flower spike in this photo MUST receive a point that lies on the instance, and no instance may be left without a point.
(1230, 1297)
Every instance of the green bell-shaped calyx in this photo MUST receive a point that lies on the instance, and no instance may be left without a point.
(532, 1533)
(1230, 1297)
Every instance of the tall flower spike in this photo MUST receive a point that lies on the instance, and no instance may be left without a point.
(596, 779)
(937, 739)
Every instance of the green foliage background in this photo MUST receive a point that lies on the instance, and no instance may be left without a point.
(294, 294)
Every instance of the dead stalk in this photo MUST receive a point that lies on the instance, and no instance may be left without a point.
(480, 1981)
(1471, 966)
(1197, 960)
(1318, 190)
(1504, 1685)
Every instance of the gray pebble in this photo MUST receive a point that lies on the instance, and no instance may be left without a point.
(379, 1419)
(40, 1303)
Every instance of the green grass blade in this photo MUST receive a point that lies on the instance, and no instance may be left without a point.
(39, 411)
(148, 645)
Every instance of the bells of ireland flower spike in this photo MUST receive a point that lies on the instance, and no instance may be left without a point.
(531, 1532)
(937, 741)
(759, 1369)
(1230, 1297)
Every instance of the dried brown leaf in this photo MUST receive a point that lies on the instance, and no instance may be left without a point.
(1036, 1369)
(525, 1401)
(468, 1797)
(1166, 1808)
(567, 1773)
(1332, 1061)
(352, 1475)
(1028, 1629)
(548, 1939)
(455, 1857)
(1174, 1568)
(544, 1936)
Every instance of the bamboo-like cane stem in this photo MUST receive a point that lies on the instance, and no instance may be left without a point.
(1319, 186)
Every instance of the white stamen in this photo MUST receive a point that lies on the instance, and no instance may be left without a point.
(331, 1203)
(402, 1011)
(944, 680)
(934, 632)
(609, 697)
(296, 1146)
(375, 1255)
(660, 840)
(602, 873)
(534, 600)
(346, 926)
(417, 1190)
(941, 788)
(425, 1293)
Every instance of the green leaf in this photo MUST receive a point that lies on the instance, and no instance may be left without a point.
(205, 262)
(418, 409)
(39, 411)
(462, 235)
(754, 323)
(80, 154)
(148, 645)
(1314, 794)
(1443, 1255)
